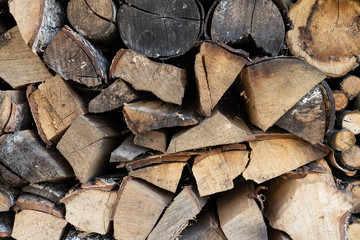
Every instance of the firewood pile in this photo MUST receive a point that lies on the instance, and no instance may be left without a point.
(179, 119)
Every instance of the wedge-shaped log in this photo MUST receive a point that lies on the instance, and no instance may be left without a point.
(127, 151)
(185, 206)
(52, 191)
(112, 97)
(156, 140)
(274, 85)
(313, 202)
(144, 116)
(240, 216)
(165, 175)
(220, 128)
(139, 206)
(54, 106)
(19, 65)
(74, 58)
(270, 158)
(24, 153)
(167, 82)
(89, 206)
(215, 171)
(87, 145)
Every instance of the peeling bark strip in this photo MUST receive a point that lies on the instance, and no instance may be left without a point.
(234, 21)
(161, 28)
(75, 58)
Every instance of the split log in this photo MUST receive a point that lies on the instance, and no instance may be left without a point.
(282, 155)
(240, 217)
(341, 140)
(34, 225)
(94, 20)
(7, 199)
(139, 206)
(290, 78)
(220, 128)
(14, 111)
(341, 100)
(75, 58)
(264, 25)
(159, 28)
(54, 106)
(24, 153)
(350, 158)
(354, 189)
(89, 206)
(185, 206)
(6, 224)
(215, 69)
(215, 170)
(127, 151)
(349, 120)
(112, 97)
(19, 65)
(332, 46)
(87, 145)
(156, 140)
(313, 202)
(9, 178)
(167, 82)
(143, 116)
(353, 230)
(350, 85)
(38, 21)
(52, 191)
(165, 176)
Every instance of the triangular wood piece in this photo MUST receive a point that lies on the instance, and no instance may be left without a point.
(274, 85)
(127, 151)
(218, 129)
(156, 140)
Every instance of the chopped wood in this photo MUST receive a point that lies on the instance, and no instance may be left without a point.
(89, 207)
(330, 46)
(7, 198)
(334, 162)
(19, 65)
(34, 225)
(52, 191)
(143, 116)
(6, 224)
(240, 216)
(220, 128)
(159, 28)
(156, 140)
(341, 100)
(289, 78)
(354, 189)
(272, 157)
(350, 158)
(54, 106)
(165, 175)
(215, 170)
(313, 202)
(264, 25)
(350, 85)
(185, 206)
(24, 154)
(9, 178)
(167, 82)
(112, 97)
(353, 231)
(87, 145)
(74, 58)
(341, 140)
(350, 120)
(139, 204)
(127, 151)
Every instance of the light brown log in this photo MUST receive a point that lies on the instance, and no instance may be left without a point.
(215, 171)
(354, 189)
(34, 225)
(167, 82)
(19, 65)
(218, 129)
(185, 206)
(127, 151)
(308, 208)
(240, 217)
(334, 162)
(350, 85)
(52, 191)
(341, 140)
(274, 85)
(350, 120)
(54, 106)
(24, 153)
(6, 224)
(156, 140)
(89, 206)
(7, 199)
(353, 231)
(87, 145)
(341, 100)
(139, 206)
(165, 176)
(350, 158)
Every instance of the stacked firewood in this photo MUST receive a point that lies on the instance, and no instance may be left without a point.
(179, 119)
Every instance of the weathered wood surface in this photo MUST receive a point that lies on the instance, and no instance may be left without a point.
(9, 178)
(159, 28)
(156, 140)
(127, 151)
(334, 161)
(330, 46)
(19, 65)
(7, 199)
(350, 158)
(354, 189)
(349, 119)
(350, 85)
(26, 156)
(232, 23)
(341, 140)
(166, 81)
(74, 58)
(139, 204)
(52, 191)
